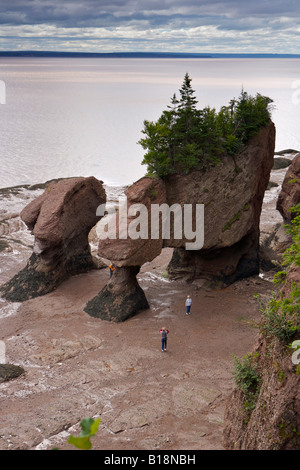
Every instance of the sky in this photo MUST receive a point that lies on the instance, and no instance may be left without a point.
(225, 26)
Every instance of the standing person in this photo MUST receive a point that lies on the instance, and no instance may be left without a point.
(111, 269)
(163, 334)
(188, 304)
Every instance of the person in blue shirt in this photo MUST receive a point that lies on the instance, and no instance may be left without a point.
(188, 304)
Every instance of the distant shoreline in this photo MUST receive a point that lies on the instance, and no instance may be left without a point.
(281, 156)
(146, 55)
(286, 154)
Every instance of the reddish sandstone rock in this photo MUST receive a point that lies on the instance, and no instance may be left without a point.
(232, 193)
(9, 372)
(289, 195)
(60, 220)
(123, 297)
(66, 210)
(135, 252)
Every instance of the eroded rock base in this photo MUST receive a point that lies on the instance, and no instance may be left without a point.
(120, 299)
(33, 281)
(217, 268)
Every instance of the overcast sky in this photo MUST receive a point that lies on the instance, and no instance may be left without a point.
(151, 25)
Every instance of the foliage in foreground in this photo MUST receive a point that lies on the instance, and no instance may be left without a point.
(89, 428)
(186, 138)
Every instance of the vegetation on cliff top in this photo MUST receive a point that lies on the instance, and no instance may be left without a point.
(186, 138)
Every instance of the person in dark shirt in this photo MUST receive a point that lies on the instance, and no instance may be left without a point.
(163, 334)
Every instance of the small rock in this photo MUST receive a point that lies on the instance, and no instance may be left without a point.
(10, 371)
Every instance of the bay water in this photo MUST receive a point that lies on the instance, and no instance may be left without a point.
(65, 117)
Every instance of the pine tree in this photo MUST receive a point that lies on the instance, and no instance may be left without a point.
(187, 101)
(185, 138)
(187, 127)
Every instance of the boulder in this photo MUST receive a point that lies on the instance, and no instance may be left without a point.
(280, 163)
(10, 371)
(289, 195)
(60, 220)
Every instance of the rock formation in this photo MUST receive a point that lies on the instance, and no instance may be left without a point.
(232, 194)
(289, 195)
(279, 240)
(60, 220)
(133, 244)
(123, 297)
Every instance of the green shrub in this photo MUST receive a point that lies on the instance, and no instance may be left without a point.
(247, 379)
(292, 254)
(281, 314)
(185, 138)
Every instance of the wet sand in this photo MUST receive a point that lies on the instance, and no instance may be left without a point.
(78, 366)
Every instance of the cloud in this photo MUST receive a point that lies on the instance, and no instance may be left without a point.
(107, 13)
(189, 25)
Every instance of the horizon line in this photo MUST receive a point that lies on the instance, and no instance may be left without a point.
(150, 54)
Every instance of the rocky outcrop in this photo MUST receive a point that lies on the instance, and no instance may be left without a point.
(289, 195)
(217, 267)
(60, 220)
(274, 423)
(232, 194)
(123, 297)
(279, 239)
